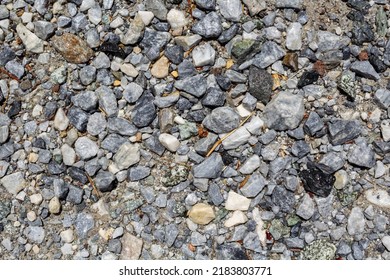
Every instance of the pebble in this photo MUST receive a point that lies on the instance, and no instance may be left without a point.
(386, 242)
(222, 120)
(237, 218)
(72, 48)
(176, 19)
(201, 214)
(160, 68)
(230, 9)
(127, 155)
(378, 197)
(135, 32)
(83, 224)
(294, 37)
(260, 84)
(254, 185)
(270, 53)
(209, 26)
(364, 69)
(362, 155)
(131, 247)
(342, 131)
(356, 221)
(236, 201)
(169, 141)
(105, 181)
(255, 6)
(203, 55)
(236, 139)
(13, 183)
(250, 165)
(306, 208)
(86, 148)
(30, 40)
(195, 85)
(55, 206)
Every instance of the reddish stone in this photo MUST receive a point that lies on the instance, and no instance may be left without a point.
(72, 48)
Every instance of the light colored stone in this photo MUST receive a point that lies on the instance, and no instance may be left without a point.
(176, 19)
(250, 165)
(54, 205)
(201, 214)
(67, 236)
(386, 242)
(131, 247)
(135, 31)
(61, 121)
(230, 9)
(237, 218)
(68, 155)
(356, 221)
(294, 36)
(255, 125)
(127, 155)
(129, 70)
(30, 40)
(146, 17)
(86, 148)
(203, 55)
(169, 141)
(160, 69)
(31, 216)
(378, 197)
(101, 208)
(36, 198)
(236, 139)
(237, 202)
(187, 42)
(385, 129)
(341, 179)
(13, 183)
(260, 227)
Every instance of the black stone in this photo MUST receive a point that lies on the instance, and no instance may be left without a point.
(359, 5)
(308, 78)
(50, 110)
(232, 251)
(144, 111)
(260, 84)
(174, 53)
(316, 181)
(227, 158)
(112, 48)
(77, 174)
(381, 148)
(75, 195)
(196, 116)
(78, 118)
(377, 63)
(283, 198)
(15, 108)
(362, 33)
(183, 104)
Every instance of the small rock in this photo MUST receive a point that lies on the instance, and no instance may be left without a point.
(306, 208)
(237, 218)
(30, 40)
(342, 179)
(382, 97)
(222, 120)
(203, 55)
(255, 6)
(61, 121)
(86, 148)
(378, 197)
(316, 181)
(132, 92)
(157, 7)
(209, 27)
(169, 141)
(362, 155)
(185, 42)
(320, 249)
(236, 139)
(54, 205)
(230, 9)
(135, 32)
(342, 131)
(195, 85)
(356, 221)
(254, 185)
(364, 69)
(250, 165)
(270, 53)
(144, 111)
(283, 198)
(127, 155)
(14, 182)
(160, 68)
(260, 84)
(131, 247)
(176, 19)
(78, 118)
(211, 167)
(201, 214)
(294, 36)
(105, 181)
(83, 224)
(67, 236)
(237, 202)
(72, 48)
(35, 234)
(290, 4)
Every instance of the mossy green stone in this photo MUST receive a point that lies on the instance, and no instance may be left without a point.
(278, 229)
(319, 250)
(381, 22)
(243, 49)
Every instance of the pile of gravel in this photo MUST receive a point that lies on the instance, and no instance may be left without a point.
(112, 112)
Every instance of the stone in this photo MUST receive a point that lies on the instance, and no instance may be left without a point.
(255, 6)
(203, 55)
(105, 181)
(15, 68)
(74, 194)
(169, 141)
(381, 23)
(320, 249)
(127, 155)
(250, 165)
(245, 49)
(43, 29)
(55, 206)
(283, 198)
(209, 5)
(364, 69)
(313, 124)
(378, 197)
(176, 19)
(254, 185)
(135, 32)
(270, 53)
(30, 40)
(129, 70)
(294, 37)
(356, 221)
(67, 236)
(386, 242)
(205, 144)
(362, 155)
(157, 7)
(83, 224)
(328, 41)
(96, 124)
(107, 101)
(306, 208)
(260, 84)
(132, 92)
(153, 42)
(72, 48)
(87, 75)
(316, 181)
(160, 68)
(284, 112)
(195, 85)
(6, 54)
(231, 251)
(382, 97)
(86, 148)
(209, 26)
(144, 111)
(138, 173)
(185, 42)
(230, 9)
(13, 183)
(35, 234)
(342, 131)
(210, 168)
(4, 133)
(146, 17)
(330, 163)
(87, 100)
(121, 126)
(237, 218)
(236, 201)
(78, 118)
(101, 61)
(201, 214)
(236, 139)
(289, 4)
(342, 179)
(222, 120)
(175, 53)
(187, 130)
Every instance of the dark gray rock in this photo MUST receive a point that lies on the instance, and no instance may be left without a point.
(154, 42)
(75, 194)
(112, 142)
(43, 29)
(364, 69)
(210, 168)
(195, 85)
(254, 185)
(270, 53)
(215, 195)
(228, 34)
(138, 173)
(222, 120)
(174, 53)
(55, 168)
(144, 111)
(214, 97)
(77, 174)
(87, 75)
(154, 145)
(78, 118)
(331, 162)
(316, 181)
(284, 199)
(171, 233)
(260, 84)
(209, 27)
(6, 55)
(86, 100)
(342, 131)
(313, 124)
(105, 181)
(205, 144)
(231, 251)
(206, 4)
(382, 98)
(107, 101)
(121, 126)
(61, 189)
(114, 246)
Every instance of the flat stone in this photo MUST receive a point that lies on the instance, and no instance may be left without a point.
(270, 53)
(386, 242)
(236, 201)
(157, 7)
(294, 36)
(127, 155)
(356, 221)
(236, 139)
(14, 182)
(382, 97)
(205, 144)
(306, 208)
(132, 92)
(138, 173)
(135, 32)
(86, 148)
(222, 120)
(230, 9)
(328, 41)
(169, 141)
(61, 121)
(331, 162)
(30, 40)
(313, 124)
(260, 84)
(378, 197)
(209, 5)
(78, 118)
(96, 124)
(364, 69)
(210, 168)
(72, 48)
(342, 131)
(43, 29)
(250, 165)
(284, 112)
(55, 205)
(283, 198)
(35, 234)
(186, 42)
(144, 111)
(107, 100)
(83, 224)
(362, 155)
(237, 218)
(254, 185)
(201, 214)
(87, 100)
(195, 85)
(203, 55)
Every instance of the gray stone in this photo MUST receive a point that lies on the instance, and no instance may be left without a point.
(187, 130)
(197, 239)
(210, 168)
(313, 124)
(203, 55)
(222, 120)
(15, 68)
(149, 194)
(206, 4)
(328, 41)
(270, 53)
(382, 97)
(209, 27)
(214, 97)
(43, 29)
(153, 144)
(4, 133)
(78, 118)
(79, 22)
(5, 209)
(157, 7)
(135, 32)
(30, 40)
(236, 139)
(271, 151)
(121, 126)
(230, 9)
(283, 198)
(74, 194)
(290, 4)
(250, 165)
(342, 131)
(306, 208)
(6, 54)
(254, 185)
(87, 75)
(252, 242)
(171, 233)
(320, 249)
(14, 182)
(95, 14)
(255, 6)
(105, 181)
(364, 69)
(144, 111)
(83, 224)
(114, 246)
(331, 162)
(294, 242)
(4, 13)
(138, 173)
(132, 92)
(215, 195)
(356, 221)
(284, 112)
(294, 36)
(86, 148)
(101, 61)
(35, 234)
(167, 100)
(86, 100)
(205, 144)
(96, 124)
(107, 100)
(3, 168)
(195, 85)
(362, 155)
(127, 155)
(260, 84)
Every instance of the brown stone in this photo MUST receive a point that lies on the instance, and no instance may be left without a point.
(131, 247)
(72, 48)
(291, 60)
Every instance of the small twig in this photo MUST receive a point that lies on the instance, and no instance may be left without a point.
(98, 194)
(12, 76)
(219, 142)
